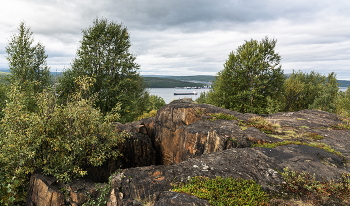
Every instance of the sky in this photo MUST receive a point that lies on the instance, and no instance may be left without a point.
(191, 37)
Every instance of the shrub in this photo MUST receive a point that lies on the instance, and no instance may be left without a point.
(217, 116)
(305, 186)
(225, 191)
(262, 124)
(58, 140)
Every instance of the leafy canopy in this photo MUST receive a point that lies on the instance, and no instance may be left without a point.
(310, 91)
(250, 79)
(104, 55)
(27, 62)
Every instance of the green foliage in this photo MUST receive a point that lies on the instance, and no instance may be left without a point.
(101, 199)
(203, 98)
(310, 90)
(27, 62)
(262, 124)
(3, 98)
(104, 55)
(153, 103)
(305, 186)
(156, 82)
(225, 191)
(217, 116)
(251, 76)
(151, 113)
(343, 103)
(59, 140)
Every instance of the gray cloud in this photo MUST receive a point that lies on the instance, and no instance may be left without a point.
(182, 37)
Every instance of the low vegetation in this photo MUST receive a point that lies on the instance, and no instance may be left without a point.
(304, 186)
(217, 116)
(225, 191)
(297, 186)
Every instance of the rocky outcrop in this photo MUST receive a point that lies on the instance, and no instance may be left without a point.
(47, 191)
(183, 130)
(183, 141)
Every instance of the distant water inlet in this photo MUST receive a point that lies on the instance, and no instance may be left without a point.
(170, 94)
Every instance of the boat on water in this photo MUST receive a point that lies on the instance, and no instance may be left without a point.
(186, 93)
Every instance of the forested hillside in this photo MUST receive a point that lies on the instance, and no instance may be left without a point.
(156, 82)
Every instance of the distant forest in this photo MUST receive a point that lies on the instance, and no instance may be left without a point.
(156, 82)
(175, 81)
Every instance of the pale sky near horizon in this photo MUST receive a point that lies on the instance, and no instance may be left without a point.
(191, 37)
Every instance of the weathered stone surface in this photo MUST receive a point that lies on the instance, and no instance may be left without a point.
(46, 191)
(169, 198)
(259, 164)
(42, 192)
(183, 130)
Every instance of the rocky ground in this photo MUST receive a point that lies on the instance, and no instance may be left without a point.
(187, 139)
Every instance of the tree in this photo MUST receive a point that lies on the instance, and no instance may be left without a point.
(250, 79)
(27, 62)
(327, 96)
(310, 91)
(104, 55)
(59, 140)
(343, 103)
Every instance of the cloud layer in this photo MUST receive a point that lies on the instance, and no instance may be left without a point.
(182, 37)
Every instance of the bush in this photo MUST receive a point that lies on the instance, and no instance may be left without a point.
(262, 124)
(225, 191)
(57, 140)
(305, 186)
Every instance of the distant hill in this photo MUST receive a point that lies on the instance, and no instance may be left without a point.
(157, 82)
(201, 78)
(344, 83)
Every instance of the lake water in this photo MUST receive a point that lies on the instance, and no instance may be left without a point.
(168, 93)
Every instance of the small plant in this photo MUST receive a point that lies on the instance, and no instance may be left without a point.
(225, 191)
(314, 136)
(151, 113)
(101, 198)
(305, 186)
(217, 116)
(342, 126)
(199, 111)
(262, 124)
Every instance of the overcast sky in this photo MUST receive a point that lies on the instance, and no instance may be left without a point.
(191, 37)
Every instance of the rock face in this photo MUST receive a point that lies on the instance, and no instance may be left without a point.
(182, 141)
(183, 130)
